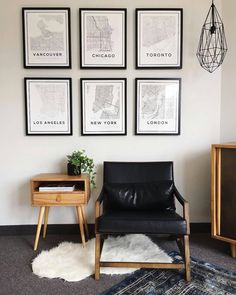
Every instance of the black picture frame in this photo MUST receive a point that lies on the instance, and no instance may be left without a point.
(162, 109)
(94, 100)
(154, 57)
(40, 114)
(121, 56)
(39, 38)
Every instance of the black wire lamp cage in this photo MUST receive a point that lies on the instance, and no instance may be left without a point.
(212, 45)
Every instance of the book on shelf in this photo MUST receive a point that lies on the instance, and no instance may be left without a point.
(51, 187)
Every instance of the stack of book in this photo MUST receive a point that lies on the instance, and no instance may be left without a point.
(51, 187)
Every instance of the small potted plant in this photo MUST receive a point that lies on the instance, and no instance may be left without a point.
(79, 162)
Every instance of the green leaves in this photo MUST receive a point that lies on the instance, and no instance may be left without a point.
(79, 158)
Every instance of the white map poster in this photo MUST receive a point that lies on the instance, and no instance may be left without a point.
(103, 37)
(104, 106)
(157, 106)
(46, 37)
(48, 106)
(159, 38)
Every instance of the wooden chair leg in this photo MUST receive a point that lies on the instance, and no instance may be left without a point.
(40, 220)
(97, 256)
(85, 221)
(81, 224)
(187, 259)
(233, 250)
(45, 222)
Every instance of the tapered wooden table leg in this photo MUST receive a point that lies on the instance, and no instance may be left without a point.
(45, 222)
(233, 250)
(81, 224)
(40, 220)
(85, 220)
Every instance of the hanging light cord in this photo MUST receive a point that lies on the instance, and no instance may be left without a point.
(213, 27)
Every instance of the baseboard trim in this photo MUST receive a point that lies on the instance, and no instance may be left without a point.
(72, 229)
(57, 229)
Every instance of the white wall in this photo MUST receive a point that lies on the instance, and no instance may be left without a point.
(228, 102)
(23, 156)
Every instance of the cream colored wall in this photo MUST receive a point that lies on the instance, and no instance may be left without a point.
(23, 156)
(228, 103)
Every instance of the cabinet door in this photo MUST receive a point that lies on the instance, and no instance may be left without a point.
(228, 193)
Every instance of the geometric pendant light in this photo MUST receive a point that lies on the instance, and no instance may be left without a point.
(212, 45)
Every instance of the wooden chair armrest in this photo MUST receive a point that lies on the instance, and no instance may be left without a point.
(98, 204)
(97, 209)
(185, 206)
(179, 197)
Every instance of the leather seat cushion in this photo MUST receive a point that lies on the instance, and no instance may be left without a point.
(140, 196)
(145, 222)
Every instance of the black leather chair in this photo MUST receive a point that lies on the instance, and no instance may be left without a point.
(139, 197)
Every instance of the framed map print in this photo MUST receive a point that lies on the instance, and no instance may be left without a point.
(103, 38)
(46, 37)
(103, 104)
(158, 106)
(159, 38)
(48, 106)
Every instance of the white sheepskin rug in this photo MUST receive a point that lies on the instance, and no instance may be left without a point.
(72, 262)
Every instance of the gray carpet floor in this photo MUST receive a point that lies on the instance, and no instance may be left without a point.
(16, 255)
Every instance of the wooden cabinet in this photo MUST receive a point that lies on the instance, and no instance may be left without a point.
(45, 199)
(223, 194)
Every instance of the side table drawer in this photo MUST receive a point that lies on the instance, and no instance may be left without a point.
(58, 199)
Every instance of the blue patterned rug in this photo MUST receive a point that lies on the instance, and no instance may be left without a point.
(207, 279)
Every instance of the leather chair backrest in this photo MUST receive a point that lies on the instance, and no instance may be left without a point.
(137, 172)
(138, 186)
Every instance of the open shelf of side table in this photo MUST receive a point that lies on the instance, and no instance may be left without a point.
(45, 199)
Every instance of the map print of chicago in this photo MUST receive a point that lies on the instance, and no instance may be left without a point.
(99, 33)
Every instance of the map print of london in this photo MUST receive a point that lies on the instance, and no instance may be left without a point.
(155, 104)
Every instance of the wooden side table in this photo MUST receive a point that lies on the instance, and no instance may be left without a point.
(78, 198)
